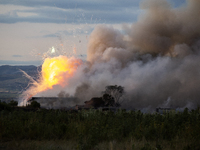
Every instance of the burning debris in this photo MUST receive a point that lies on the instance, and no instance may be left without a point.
(158, 57)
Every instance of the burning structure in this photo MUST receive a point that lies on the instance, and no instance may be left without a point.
(156, 59)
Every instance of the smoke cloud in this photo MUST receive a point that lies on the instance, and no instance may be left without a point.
(156, 59)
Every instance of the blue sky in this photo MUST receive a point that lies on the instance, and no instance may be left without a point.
(29, 29)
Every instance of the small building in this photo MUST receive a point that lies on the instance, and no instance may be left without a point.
(54, 102)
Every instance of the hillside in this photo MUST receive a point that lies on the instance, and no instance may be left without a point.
(13, 81)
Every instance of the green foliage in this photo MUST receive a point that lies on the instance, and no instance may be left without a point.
(13, 103)
(147, 146)
(91, 127)
(34, 104)
(4, 106)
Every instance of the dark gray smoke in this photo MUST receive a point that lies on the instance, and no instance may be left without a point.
(157, 60)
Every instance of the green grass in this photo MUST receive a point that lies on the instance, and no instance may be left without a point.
(95, 129)
(38, 145)
(128, 144)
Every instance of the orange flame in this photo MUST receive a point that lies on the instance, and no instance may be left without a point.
(57, 70)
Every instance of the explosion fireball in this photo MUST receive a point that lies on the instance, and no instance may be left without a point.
(56, 70)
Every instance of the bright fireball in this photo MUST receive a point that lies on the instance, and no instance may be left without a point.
(57, 70)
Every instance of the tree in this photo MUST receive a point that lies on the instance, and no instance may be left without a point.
(4, 106)
(108, 100)
(13, 103)
(35, 104)
(115, 91)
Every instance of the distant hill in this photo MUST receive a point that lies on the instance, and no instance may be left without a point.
(13, 81)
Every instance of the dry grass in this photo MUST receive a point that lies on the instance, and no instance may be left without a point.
(38, 145)
(129, 144)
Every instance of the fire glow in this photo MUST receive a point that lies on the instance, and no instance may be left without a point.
(55, 71)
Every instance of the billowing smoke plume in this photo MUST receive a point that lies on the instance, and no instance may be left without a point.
(157, 60)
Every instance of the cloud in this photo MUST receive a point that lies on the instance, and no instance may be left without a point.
(76, 11)
(69, 11)
(17, 56)
(80, 30)
(71, 4)
(51, 36)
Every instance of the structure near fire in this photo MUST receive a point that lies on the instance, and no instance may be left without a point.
(106, 100)
(156, 59)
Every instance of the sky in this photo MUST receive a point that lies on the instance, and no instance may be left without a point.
(30, 29)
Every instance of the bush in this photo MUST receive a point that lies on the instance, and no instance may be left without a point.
(13, 103)
(4, 106)
(35, 104)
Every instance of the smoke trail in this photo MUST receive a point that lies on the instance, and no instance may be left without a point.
(29, 77)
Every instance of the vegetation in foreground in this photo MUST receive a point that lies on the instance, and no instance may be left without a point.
(95, 129)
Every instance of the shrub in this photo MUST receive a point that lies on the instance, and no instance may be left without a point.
(13, 103)
(35, 104)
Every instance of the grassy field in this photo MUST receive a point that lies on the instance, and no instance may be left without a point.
(129, 144)
(94, 129)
